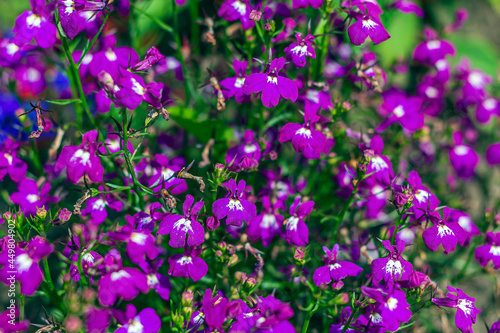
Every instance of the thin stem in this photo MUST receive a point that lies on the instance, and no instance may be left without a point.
(351, 317)
(177, 37)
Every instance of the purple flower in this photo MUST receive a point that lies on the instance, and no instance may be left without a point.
(306, 140)
(271, 84)
(431, 51)
(188, 265)
(69, 13)
(164, 170)
(466, 311)
(26, 269)
(215, 310)
(367, 26)
(464, 220)
(334, 270)
(9, 162)
(8, 323)
(314, 100)
(463, 158)
(233, 206)
(146, 321)
(297, 4)
(156, 281)
(423, 199)
(119, 281)
(97, 320)
(344, 318)
(111, 59)
(371, 6)
(408, 7)
(266, 225)
(298, 52)
(232, 10)
(178, 226)
(490, 251)
(131, 90)
(36, 24)
(153, 56)
(234, 85)
(81, 159)
(380, 167)
(488, 107)
(393, 268)
(29, 197)
(96, 207)
(397, 106)
(444, 232)
(297, 232)
(250, 148)
(493, 154)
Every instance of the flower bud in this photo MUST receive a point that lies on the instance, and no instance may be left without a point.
(187, 298)
(299, 256)
(267, 27)
(106, 80)
(41, 212)
(212, 223)
(255, 15)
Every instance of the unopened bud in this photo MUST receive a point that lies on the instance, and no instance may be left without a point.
(212, 223)
(255, 15)
(187, 298)
(41, 212)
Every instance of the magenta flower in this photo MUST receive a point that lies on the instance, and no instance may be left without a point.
(119, 281)
(408, 7)
(110, 59)
(380, 167)
(334, 270)
(234, 85)
(81, 159)
(271, 84)
(146, 321)
(488, 107)
(371, 6)
(398, 107)
(178, 226)
(465, 221)
(96, 207)
(156, 281)
(188, 265)
(97, 320)
(232, 10)
(233, 206)
(69, 13)
(368, 25)
(298, 52)
(493, 154)
(36, 24)
(297, 232)
(306, 140)
(9, 162)
(153, 56)
(163, 171)
(297, 4)
(23, 267)
(431, 51)
(393, 268)
(215, 310)
(314, 100)
(250, 148)
(29, 197)
(9, 325)
(466, 311)
(443, 232)
(131, 91)
(423, 201)
(490, 251)
(266, 225)
(463, 158)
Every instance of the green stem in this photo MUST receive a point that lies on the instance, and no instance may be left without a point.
(177, 37)
(340, 217)
(195, 27)
(346, 326)
(396, 228)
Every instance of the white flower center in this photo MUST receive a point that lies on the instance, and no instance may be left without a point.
(392, 303)
(292, 223)
(32, 198)
(33, 21)
(135, 326)
(334, 266)
(87, 59)
(433, 44)
(184, 224)
(495, 250)
(152, 280)
(431, 92)
(490, 104)
(33, 74)
(272, 79)
(476, 80)
(11, 48)
(136, 87)
(399, 111)
(250, 148)
(138, 238)
(313, 96)
(378, 163)
(444, 230)
(304, 132)
(441, 64)
(88, 257)
(239, 82)
(23, 262)
(465, 223)
(240, 7)
(119, 275)
(465, 305)
(268, 221)
(8, 157)
(111, 55)
(422, 196)
(185, 260)
(99, 204)
(369, 24)
(393, 267)
(166, 173)
(461, 150)
(83, 156)
(300, 50)
(234, 204)
(376, 318)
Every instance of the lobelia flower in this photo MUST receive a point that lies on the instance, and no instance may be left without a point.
(110, 59)
(35, 23)
(9, 162)
(164, 170)
(26, 269)
(271, 84)
(306, 140)
(344, 318)
(314, 100)
(398, 107)
(188, 265)
(465, 221)
(334, 270)
(119, 281)
(146, 321)
(371, 6)
(96, 207)
(30, 78)
(367, 25)
(234, 85)
(466, 311)
(297, 232)
(374, 198)
(492, 154)
(297, 4)
(217, 309)
(250, 148)
(444, 232)
(113, 145)
(380, 167)
(298, 52)
(153, 56)
(461, 16)
(178, 226)
(12, 51)
(268, 224)
(69, 14)
(156, 281)
(29, 197)
(463, 158)
(394, 268)
(8, 324)
(490, 106)
(431, 51)
(232, 10)
(408, 7)
(393, 308)
(81, 159)
(97, 320)
(490, 251)
(233, 206)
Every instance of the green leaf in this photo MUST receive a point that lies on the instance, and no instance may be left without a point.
(63, 101)
(481, 52)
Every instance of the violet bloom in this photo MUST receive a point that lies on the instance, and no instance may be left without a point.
(266, 225)
(408, 7)
(146, 321)
(334, 270)
(297, 4)
(344, 318)
(232, 10)
(36, 24)
(188, 265)
(82, 159)
(234, 85)
(111, 59)
(250, 148)
(368, 25)
(393, 268)
(29, 197)
(233, 206)
(444, 232)
(24, 266)
(392, 306)
(314, 100)
(178, 226)
(297, 232)
(69, 14)
(466, 311)
(298, 52)
(97, 320)
(96, 207)
(113, 144)
(8, 323)
(371, 6)
(463, 158)
(431, 51)
(380, 167)
(119, 281)
(487, 108)
(215, 310)
(156, 281)
(493, 154)
(398, 107)
(271, 84)
(490, 251)
(131, 91)
(306, 140)
(153, 56)
(9, 162)
(465, 221)
(12, 51)
(374, 198)
(164, 170)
